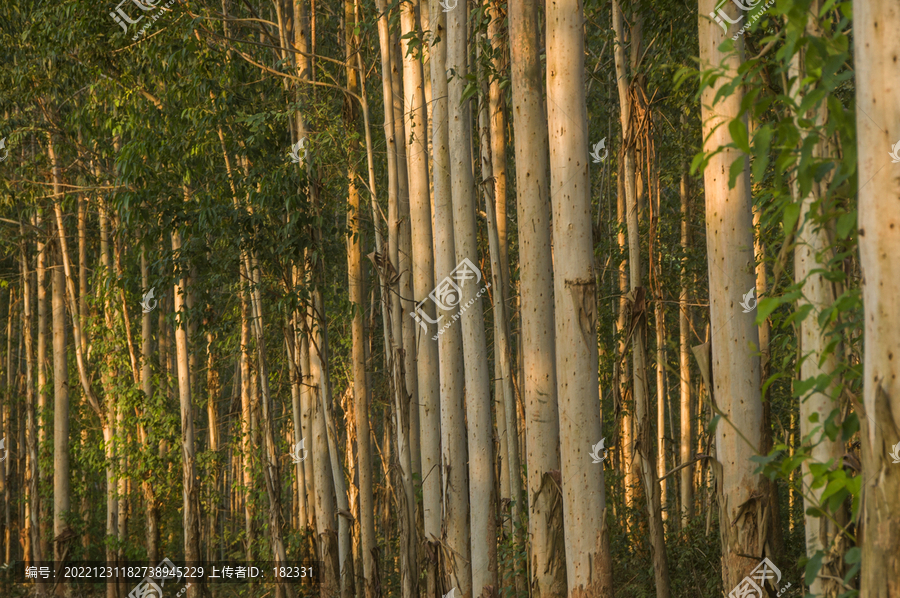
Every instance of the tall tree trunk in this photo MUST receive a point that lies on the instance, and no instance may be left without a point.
(356, 282)
(427, 373)
(32, 476)
(588, 560)
(455, 549)
(60, 412)
(483, 519)
(735, 394)
(191, 491)
(324, 481)
(148, 486)
(43, 250)
(538, 345)
(878, 128)
(684, 364)
(246, 446)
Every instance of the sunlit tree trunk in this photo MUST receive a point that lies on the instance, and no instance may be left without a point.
(588, 560)
(356, 283)
(877, 46)
(246, 448)
(191, 491)
(32, 476)
(60, 411)
(743, 512)
(43, 251)
(152, 513)
(684, 364)
(457, 562)
(483, 518)
(538, 345)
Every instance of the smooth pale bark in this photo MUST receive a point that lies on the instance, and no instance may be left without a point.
(246, 447)
(454, 452)
(684, 364)
(547, 566)
(588, 562)
(306, 418)
(32, 476)
(293, 352)
(326, 513)
(622, 361)
(60, 411)
(482, 493)
(427, 373)
(744, 529)
(356, 283)
(877, 46)
(152, 512)
(43, 389)
(191, 491)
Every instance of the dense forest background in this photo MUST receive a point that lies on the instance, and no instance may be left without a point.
(466, 298)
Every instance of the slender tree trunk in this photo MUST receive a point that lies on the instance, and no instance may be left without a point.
(43, 392)
(356, 282)
(148, 486)
(455, 549)
(684, 364)
(875, 51)
(538, 345)
(427, 374)
(60, 412)
(246, 447)
(32, 476)
(477, 375)
(588, 562)
(735, 394)
(191, 491)
(324, 481)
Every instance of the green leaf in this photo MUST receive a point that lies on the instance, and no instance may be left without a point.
(738, 130)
